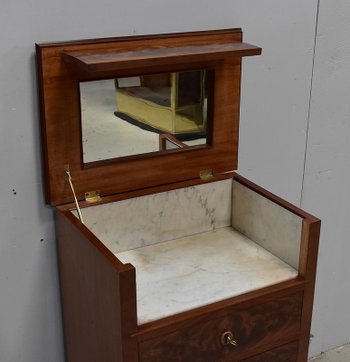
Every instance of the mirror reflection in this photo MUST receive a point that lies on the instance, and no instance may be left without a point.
(143, 114)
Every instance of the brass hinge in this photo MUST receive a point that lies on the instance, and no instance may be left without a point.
(206, 175)
(92, 196)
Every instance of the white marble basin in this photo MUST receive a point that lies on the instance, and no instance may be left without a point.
(189, 272)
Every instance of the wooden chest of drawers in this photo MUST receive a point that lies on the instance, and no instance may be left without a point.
(176, 257)
(267, 323)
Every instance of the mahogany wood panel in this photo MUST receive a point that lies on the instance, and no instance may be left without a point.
(99, 299)
(256, 329)
(61, 125)
(286, 353)
(308, 267)
(111, 61)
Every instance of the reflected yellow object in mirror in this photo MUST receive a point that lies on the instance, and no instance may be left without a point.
(173, 103)
(128, 116)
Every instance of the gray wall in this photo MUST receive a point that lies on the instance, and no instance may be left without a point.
(327, 173)
(277, 135)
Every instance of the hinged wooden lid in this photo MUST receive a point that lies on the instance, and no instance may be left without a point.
(62, 66)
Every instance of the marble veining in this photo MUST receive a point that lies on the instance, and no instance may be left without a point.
(270, 225)
(150, 219)
(193, 271)
(197, 245)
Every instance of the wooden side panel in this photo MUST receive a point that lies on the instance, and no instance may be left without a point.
(99, 299)
(308, 266)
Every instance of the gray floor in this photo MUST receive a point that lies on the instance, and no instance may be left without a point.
(340, 354)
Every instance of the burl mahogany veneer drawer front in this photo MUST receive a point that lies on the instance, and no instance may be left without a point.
(286, 353)
(240, 333)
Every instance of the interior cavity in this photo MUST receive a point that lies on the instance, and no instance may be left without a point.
(197, 245)
(186, 273)
(151, 219)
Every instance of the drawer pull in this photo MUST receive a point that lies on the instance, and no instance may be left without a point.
(228, 339)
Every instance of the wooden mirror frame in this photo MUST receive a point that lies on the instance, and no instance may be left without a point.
(61, 66)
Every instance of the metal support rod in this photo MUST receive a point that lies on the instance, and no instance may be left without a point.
(66, 170)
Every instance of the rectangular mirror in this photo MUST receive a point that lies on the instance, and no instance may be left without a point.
(134, 115)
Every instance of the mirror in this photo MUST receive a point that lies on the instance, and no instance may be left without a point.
(142, 114)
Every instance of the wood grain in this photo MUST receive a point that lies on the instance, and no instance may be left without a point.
(61, 126)
(308, 267)
(99, 299)
(140, 58)
(256, 329)
(286, 353)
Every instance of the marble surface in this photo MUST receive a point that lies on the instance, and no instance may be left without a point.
(198, 245)
(193, 271)
(270, 225)
(145, 220)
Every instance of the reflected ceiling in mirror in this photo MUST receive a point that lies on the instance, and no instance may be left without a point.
(143, 114)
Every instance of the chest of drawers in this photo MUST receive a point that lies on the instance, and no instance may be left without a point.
(173, 256)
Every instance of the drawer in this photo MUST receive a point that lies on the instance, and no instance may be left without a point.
(285, 353)
(255, 329)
